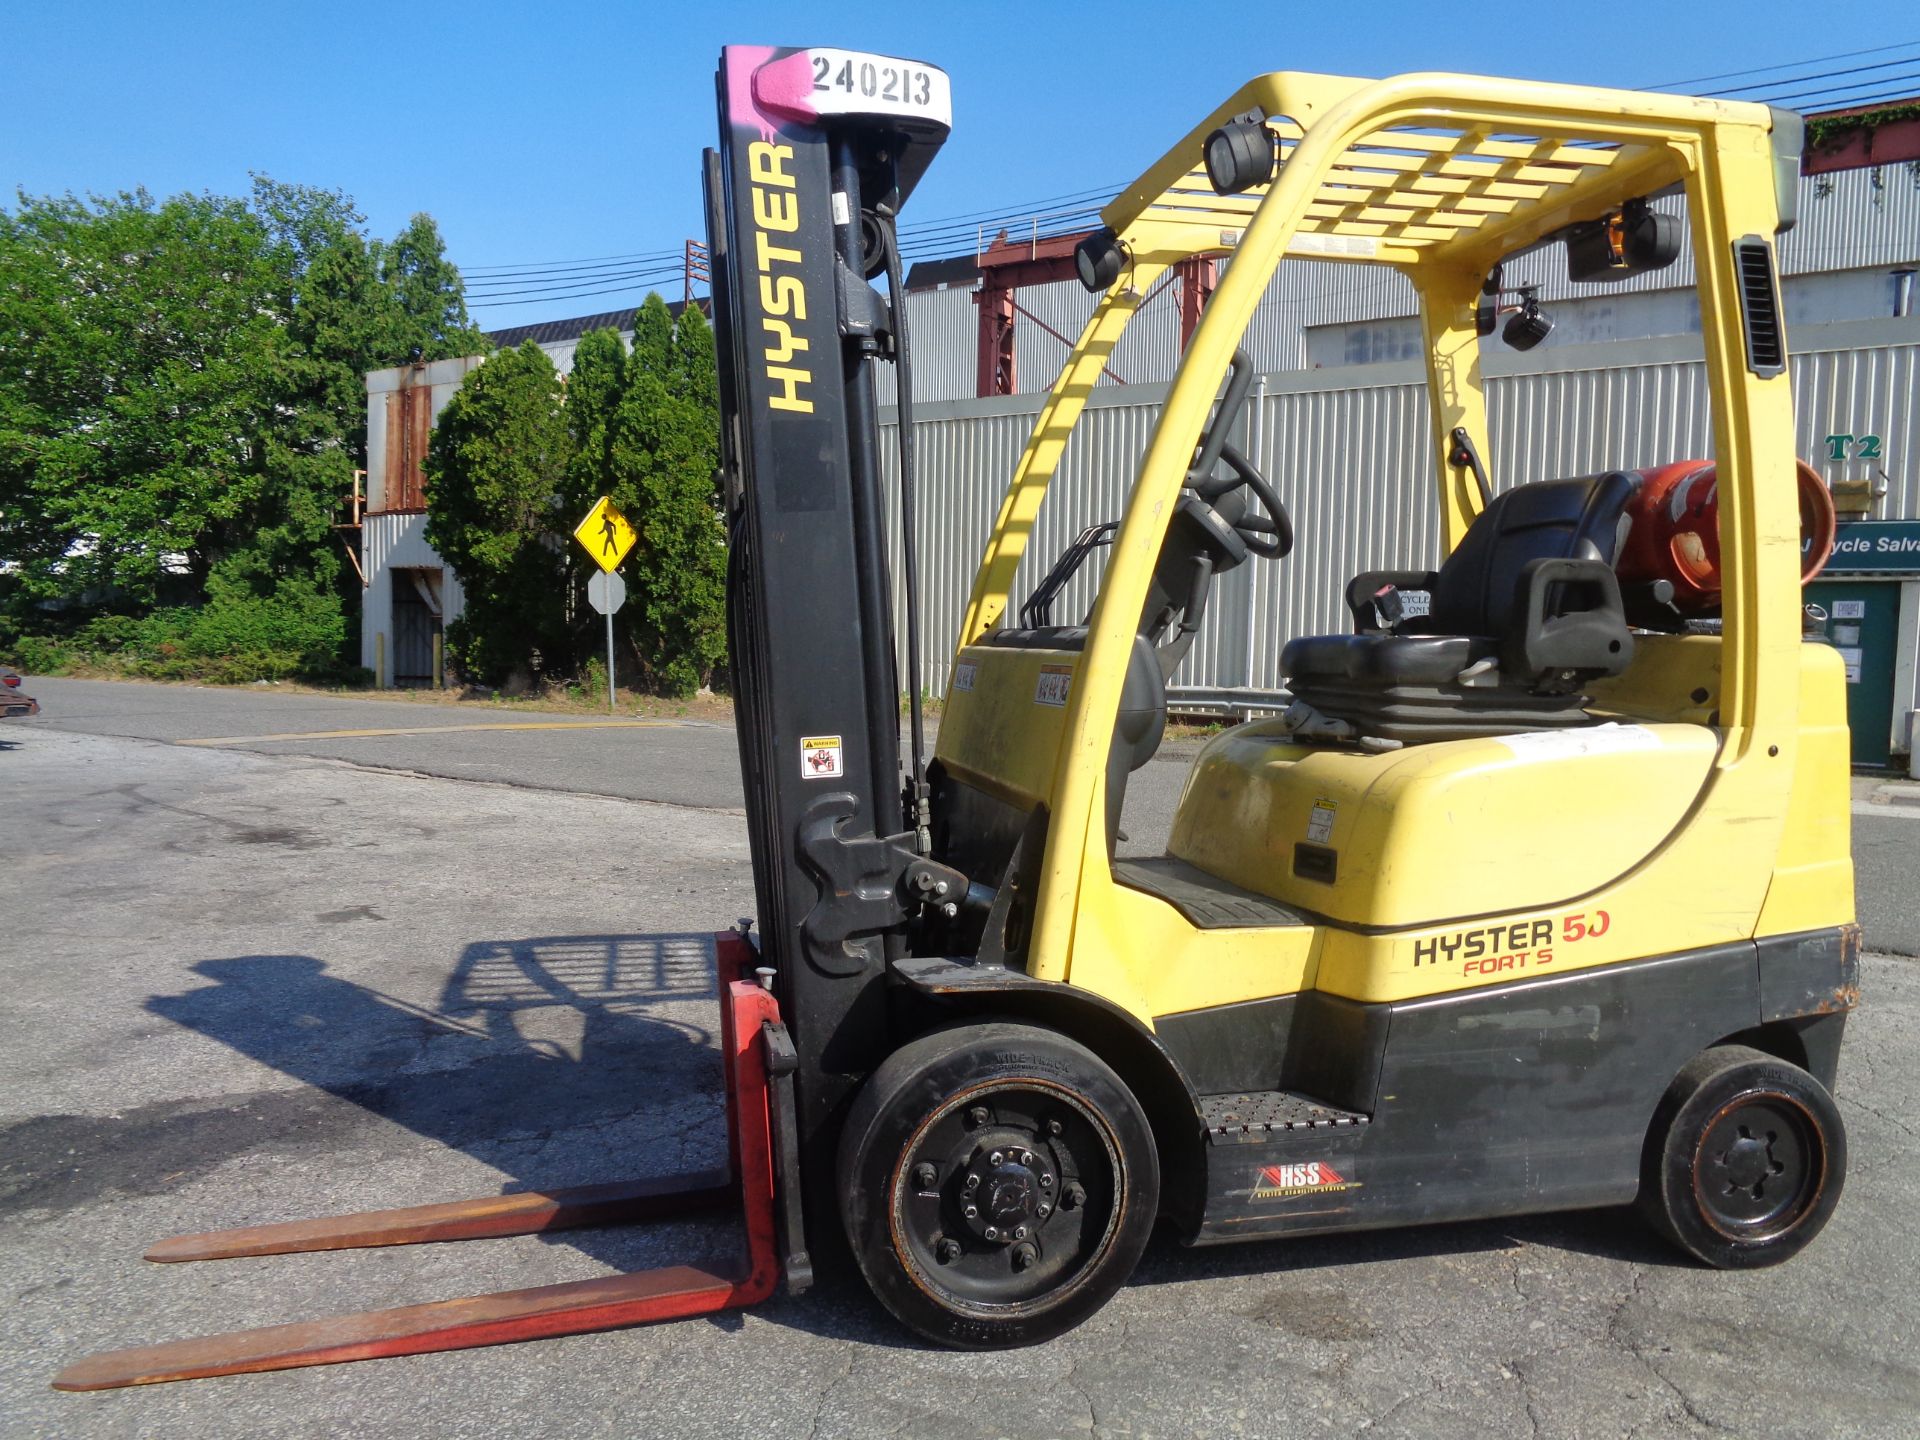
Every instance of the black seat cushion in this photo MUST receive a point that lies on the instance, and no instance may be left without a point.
(1381, 659)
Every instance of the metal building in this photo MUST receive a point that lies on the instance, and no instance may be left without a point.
(408, 592)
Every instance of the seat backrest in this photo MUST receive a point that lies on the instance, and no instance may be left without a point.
(1553, 519)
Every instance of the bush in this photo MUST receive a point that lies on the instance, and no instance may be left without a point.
(231, 640)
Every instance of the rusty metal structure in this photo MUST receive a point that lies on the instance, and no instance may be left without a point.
(1009, 266)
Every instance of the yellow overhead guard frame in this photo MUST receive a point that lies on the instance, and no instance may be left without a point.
(1439, 176)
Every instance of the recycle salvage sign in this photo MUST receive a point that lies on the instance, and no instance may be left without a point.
(1876, 546)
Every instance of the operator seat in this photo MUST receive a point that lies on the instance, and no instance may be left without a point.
(1523, 613)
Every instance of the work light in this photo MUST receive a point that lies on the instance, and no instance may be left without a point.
(1529, 325)
(1099, 259)
(1239, 156)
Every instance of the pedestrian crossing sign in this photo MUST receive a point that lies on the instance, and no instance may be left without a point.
(606, 535)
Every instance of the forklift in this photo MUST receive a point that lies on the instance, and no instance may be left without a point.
(1538, 897)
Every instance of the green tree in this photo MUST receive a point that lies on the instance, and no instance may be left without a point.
(428, 315)
(664, 449)
(653, 336)
(495, 468)
(182, 402)
(594, 388)
(142, 356)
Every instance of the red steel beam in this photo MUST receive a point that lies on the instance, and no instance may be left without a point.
(994, 374)
(1198, 275)
(1888, 144)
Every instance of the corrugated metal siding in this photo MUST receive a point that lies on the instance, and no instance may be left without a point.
(1861, 391)
(398, 541)
(945, 325)
(1347, 451)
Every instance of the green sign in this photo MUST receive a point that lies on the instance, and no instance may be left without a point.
(1880, 547)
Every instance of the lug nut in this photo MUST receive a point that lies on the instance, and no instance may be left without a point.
(972, 1212)
(1075, 1197)
(1019, 1232)
(995, 1158)
(1044, 1210)
(1026, 1157)
(1024, 1255)
(973, 1181)
(992, 1233)
(949, 1251)
(1046, 1182)
(977, 1116)
(1054, 1127)
(925, 1176)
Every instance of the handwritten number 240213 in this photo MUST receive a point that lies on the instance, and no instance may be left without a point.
(874, 82)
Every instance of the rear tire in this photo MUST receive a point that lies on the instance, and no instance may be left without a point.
(1745, 1159)
(1035, 1136)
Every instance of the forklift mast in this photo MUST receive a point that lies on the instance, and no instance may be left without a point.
(819, 149)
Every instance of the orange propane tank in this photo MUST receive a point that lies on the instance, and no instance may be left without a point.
(1675, 535)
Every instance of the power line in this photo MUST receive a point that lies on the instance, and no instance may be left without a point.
(651, 277)
(584, 271)
(1857, 101)
(638, 279)
(585, 295)
(1784, 65)
(588, 260)
(917, 236)
(1821, 75)
(1836, 94)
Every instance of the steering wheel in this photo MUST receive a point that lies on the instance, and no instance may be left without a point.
(1269, 536)
(1215, 502)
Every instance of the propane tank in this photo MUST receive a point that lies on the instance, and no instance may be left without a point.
(1675, 531)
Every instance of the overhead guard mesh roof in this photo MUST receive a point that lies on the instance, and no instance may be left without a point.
(1407, 186)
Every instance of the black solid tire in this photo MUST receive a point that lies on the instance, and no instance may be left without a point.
(919, 1094)
(1745, 1159)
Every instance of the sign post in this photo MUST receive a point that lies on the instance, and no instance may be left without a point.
(607, 537)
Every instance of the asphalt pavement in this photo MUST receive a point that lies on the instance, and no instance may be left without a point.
(271, 978)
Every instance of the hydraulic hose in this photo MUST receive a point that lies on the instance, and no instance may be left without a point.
(909, 549)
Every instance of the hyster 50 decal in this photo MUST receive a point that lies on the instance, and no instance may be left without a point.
(1510, 944)
(1312, 1177)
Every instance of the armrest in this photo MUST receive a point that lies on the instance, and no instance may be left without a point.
(1364, 588)
(1567, 616)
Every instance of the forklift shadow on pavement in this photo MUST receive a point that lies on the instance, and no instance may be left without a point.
(559, 1060)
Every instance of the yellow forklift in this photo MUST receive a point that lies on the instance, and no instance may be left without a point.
(1538, 897)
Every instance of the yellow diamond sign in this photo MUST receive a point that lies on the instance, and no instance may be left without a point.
(606, 535)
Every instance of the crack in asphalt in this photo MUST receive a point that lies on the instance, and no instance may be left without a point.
(826, 1392)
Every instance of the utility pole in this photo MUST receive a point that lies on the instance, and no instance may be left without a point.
(693, 267)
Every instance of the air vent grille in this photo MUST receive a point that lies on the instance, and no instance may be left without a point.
(1760, 306)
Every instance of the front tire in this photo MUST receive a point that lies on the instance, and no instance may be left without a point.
(1745, 1159)
(998, 1184)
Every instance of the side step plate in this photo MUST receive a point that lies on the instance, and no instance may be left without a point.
(758, 1066)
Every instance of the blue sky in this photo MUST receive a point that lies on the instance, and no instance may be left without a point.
(537, 133)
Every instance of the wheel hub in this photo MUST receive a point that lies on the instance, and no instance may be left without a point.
(1007, 1189)
(1750, 1163)
(1023, 1199)
(1759, 1168)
